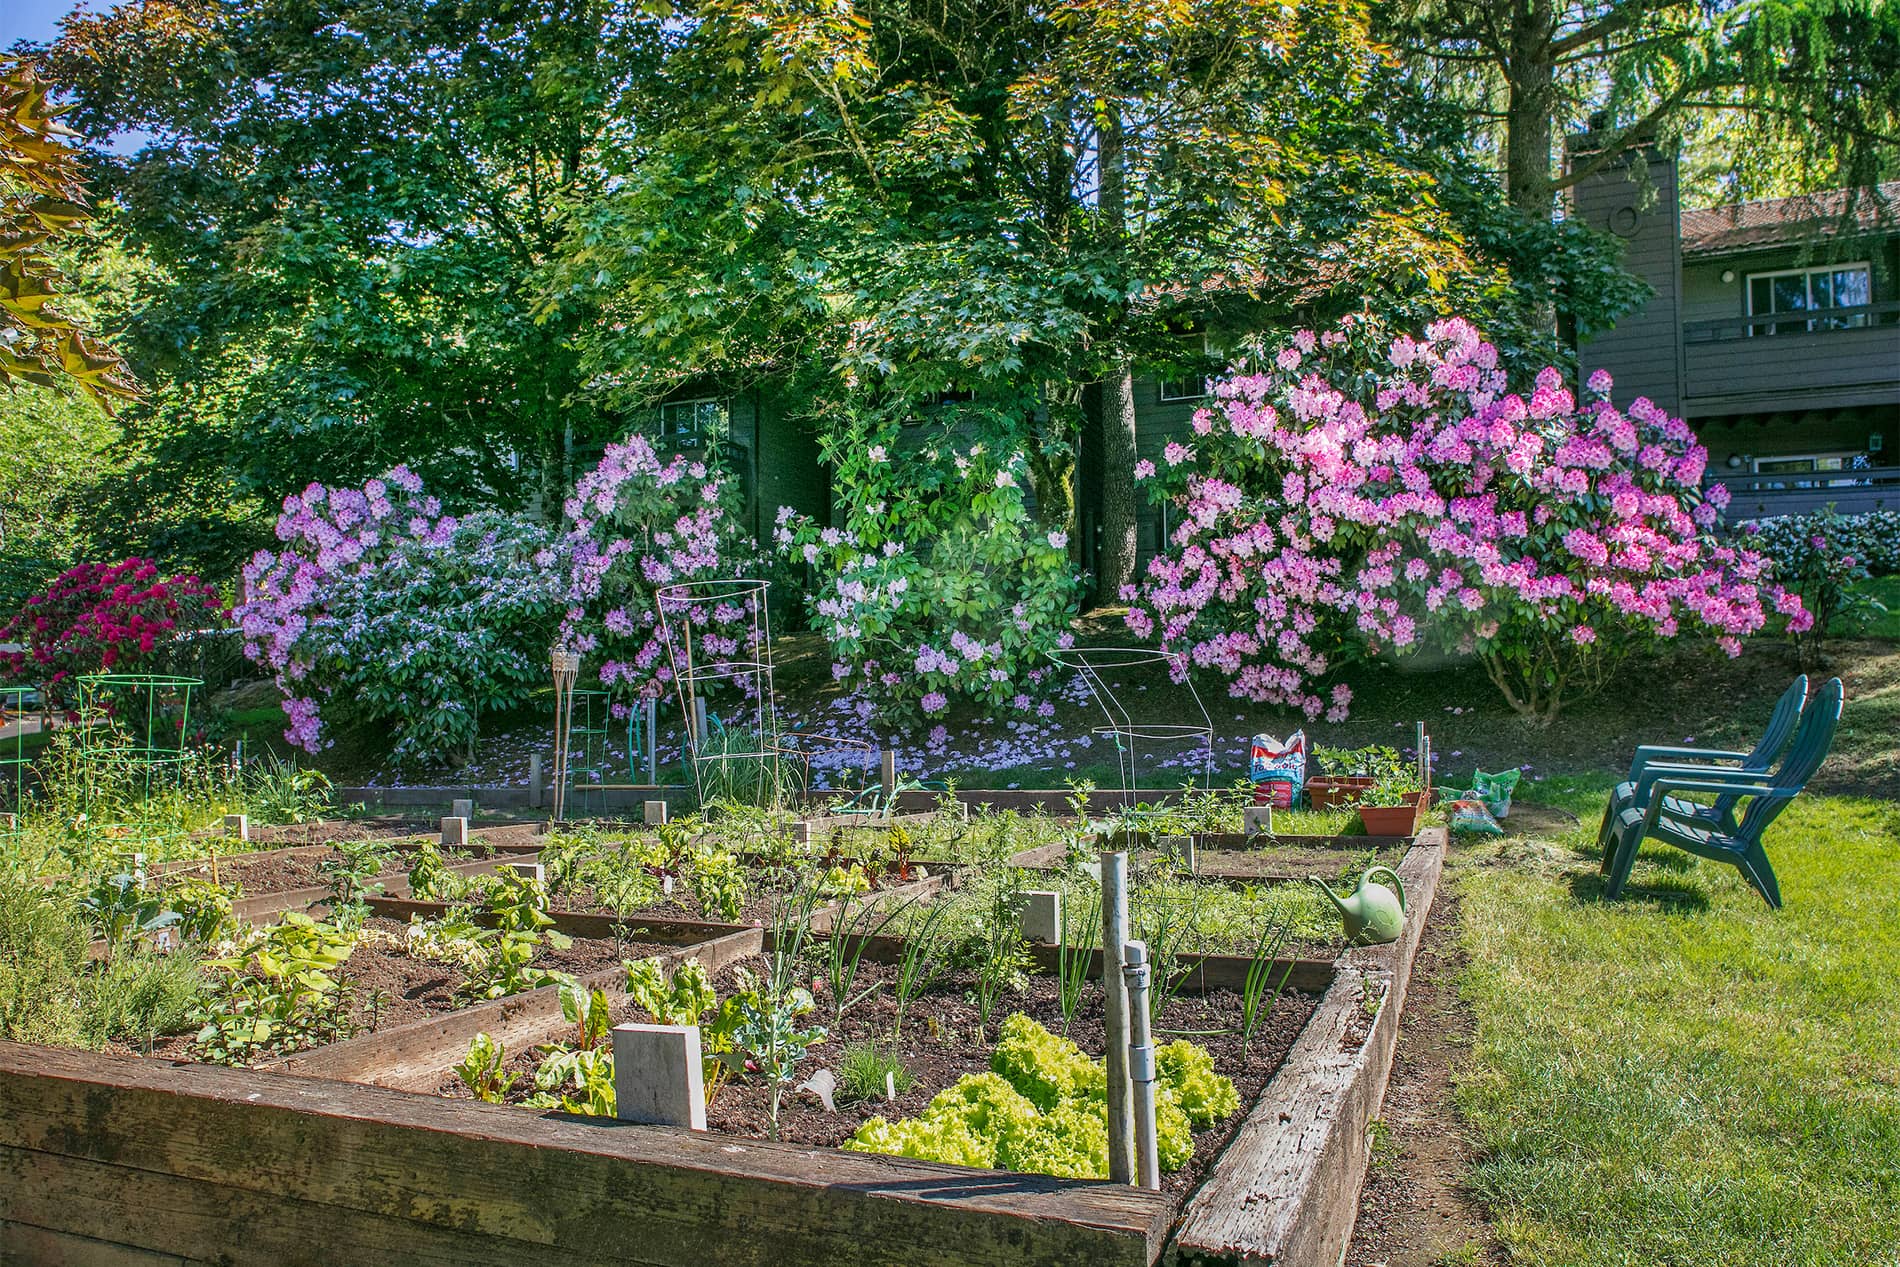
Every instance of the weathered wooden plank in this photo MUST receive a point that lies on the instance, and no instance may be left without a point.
(1201, 972)
(271, 1146)
(1286, 1191)
(419, 1055)
(44, 1247)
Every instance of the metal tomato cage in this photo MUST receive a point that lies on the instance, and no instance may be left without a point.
(15, 702)
(1141, 732)
(719, 644)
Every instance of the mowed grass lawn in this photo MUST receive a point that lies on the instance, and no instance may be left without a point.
(1684, 1076)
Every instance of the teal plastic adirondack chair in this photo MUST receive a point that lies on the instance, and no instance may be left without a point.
(1767, 796)
(1653, 760)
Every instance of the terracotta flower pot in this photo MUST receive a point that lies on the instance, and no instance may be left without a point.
(1335, 791)
(1394, 820)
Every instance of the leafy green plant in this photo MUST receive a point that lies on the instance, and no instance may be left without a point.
(279, 791)
(351, 879)
(278, 994)
(430, 879)
(482, 1072)
(679, 998)
(718, 882)
(768, 1034)
(203, 908)
(123, 909)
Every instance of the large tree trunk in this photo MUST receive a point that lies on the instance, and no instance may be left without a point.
(1117, 554)
(1531, 84)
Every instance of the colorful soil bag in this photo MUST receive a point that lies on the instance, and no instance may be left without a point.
(1467, 815)
(1278, 770)
(1495, 790)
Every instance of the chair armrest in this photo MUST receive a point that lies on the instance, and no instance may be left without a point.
(1648, 753)
(1646, 779)
(1746, 785)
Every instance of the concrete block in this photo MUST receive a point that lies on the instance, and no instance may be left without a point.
(1042, 916)
(655, 813)
(1181, 849)
(1257, 819)
(462, 808)
(454, 833)
(658, 1076)
(237, 826)
(532, 870)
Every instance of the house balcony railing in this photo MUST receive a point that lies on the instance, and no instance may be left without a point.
(1753, 496)
(1824, 358)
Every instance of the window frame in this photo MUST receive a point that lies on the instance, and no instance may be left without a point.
(696, 438)
(1863, 267)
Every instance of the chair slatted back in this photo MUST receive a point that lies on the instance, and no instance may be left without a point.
(1781, 724)
(1812, 740)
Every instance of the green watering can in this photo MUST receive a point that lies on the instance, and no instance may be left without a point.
(1374, 914)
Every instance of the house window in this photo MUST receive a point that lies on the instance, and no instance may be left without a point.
(692, 423)
(1809, 290)
(1183, 389)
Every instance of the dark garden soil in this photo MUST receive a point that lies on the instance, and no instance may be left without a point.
(280, 871)
(943, 1039)
(391, 988)
(1413, 1210)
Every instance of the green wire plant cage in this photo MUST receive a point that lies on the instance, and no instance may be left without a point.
(606, 752)
(135, 741)
(15, 702)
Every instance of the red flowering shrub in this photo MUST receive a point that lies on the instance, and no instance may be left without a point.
(100, 617)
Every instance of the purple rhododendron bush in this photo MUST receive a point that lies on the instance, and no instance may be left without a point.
(382, 604)
(1363, 496)
(638, 524)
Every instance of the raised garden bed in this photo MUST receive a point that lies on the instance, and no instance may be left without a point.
(139, 1160)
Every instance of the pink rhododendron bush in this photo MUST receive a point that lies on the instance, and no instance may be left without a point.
(1364, 497)
(637, 525)
(103, 618)
(381, 606)
(940, 584)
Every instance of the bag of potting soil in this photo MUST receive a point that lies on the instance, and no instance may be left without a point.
(1495, 790)
(1278, 769)
(1467, 815)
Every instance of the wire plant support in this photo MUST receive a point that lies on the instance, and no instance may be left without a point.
(1138, 739)
(743, 755)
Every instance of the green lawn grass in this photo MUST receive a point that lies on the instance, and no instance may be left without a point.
(1868, 621)
(1684, 1076)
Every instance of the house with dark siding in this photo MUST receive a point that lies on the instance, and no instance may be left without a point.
(1773, 329)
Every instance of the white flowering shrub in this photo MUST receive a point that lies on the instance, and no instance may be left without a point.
(940, 585)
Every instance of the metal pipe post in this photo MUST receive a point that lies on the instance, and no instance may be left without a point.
(1121, 1137)
(1141, 1067)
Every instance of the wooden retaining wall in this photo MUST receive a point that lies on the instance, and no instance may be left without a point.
(1286, 1191)
(115, 1160)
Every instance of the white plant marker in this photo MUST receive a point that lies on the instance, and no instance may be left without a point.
(1042, 916)
(658, 1076)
